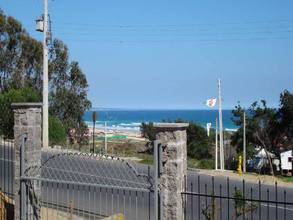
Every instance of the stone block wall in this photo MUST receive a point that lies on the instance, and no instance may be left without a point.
(27, 123)
(173, 138)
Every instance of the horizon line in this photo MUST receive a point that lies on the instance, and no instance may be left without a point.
(156, 109)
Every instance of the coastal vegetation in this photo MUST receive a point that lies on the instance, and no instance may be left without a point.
(267, 128)
(200, 147)
(21, 80)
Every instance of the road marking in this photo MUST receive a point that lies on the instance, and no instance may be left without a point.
(279, 207)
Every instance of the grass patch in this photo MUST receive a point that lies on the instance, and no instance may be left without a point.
(200, 164)
(286, 179)
(130, 148)
(147, 159)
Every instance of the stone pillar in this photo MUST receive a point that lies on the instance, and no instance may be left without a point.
(172, 181)
(28, 122)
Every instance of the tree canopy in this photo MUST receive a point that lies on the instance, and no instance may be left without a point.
(199, 145)
(21, 62)
(266, 127)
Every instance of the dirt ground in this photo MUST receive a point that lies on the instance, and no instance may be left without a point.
(249, 177)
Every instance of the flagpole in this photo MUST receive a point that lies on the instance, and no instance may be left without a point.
(216, 150)
(221, 127)
(244, 142)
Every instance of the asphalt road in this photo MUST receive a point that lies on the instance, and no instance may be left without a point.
(94, 201)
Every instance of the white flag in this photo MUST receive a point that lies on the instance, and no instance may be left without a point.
(211, 102)
(209, 125)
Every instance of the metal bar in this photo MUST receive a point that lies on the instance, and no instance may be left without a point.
(221, 216)
(285, 214)
(228, 195)
(276, 198)
(185, 199)
(83, 184)
(78, 208)
(84, 200)
(89, 201)
(57, 201)
(130, 205)
(22, 182)
(47, 198)
(118, 199)
(268, 204)
(198, 198)
(240, 199)
(136, 205)
(259, 198)
(149, 196)
(124, 213)
(213, 199)
(243, 193)
(206, 193)
(112, 205)
(100, 201)
(191, 188)
(27, 202)
(156, 175)
(5, 165)
(106, 202)
(251, 213)
(143, 202)
(235, 206)
(95, 195)
(68, 200)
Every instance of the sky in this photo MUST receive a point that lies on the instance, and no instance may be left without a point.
(168, 54)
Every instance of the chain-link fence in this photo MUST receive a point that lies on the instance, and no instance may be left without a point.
(71, 185)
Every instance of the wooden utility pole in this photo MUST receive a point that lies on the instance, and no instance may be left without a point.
(244, 142)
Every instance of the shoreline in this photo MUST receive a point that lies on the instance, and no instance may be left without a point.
(134, 135)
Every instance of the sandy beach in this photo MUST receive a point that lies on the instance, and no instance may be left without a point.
(128, 134)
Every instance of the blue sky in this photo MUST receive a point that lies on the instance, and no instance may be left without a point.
(169, 54)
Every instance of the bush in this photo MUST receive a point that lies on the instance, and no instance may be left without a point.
(206, 164)
(199, 150)
(12, 96)
(57, 134)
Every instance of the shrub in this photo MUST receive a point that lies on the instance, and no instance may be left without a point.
(12, 96)
(57, 134)
(206, 164)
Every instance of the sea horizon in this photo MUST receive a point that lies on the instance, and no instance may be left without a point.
(130, 119)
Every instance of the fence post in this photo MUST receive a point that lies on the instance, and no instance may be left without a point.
(22, 183)
(173, 168)
(28, 123)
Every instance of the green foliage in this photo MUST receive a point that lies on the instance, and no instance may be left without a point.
(12, 96)
(148, 131)
(20, 56)
(269, 128)
(238, 200)
(199, 145)
(210, 211)
(285, 118)
(57, 134)
(206, 164)
(242, 206)
(21, 62)
(68, 95)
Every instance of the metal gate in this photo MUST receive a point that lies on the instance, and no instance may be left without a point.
(71, 185)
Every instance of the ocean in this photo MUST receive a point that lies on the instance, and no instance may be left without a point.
(130, 120)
